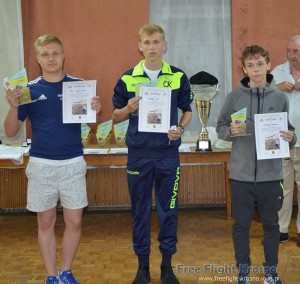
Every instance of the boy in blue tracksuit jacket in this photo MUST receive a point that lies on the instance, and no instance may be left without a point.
(153, 158)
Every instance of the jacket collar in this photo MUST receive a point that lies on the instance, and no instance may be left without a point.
(139, 71)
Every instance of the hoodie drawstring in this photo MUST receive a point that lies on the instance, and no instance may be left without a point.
(259, 109)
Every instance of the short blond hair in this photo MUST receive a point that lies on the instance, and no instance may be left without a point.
(150, 29)
(45, 39)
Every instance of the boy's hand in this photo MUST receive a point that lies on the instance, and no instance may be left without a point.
(12, 97)
(174, 133)
(235, 128)
(96, 105)
(287, 135)
(133, 104)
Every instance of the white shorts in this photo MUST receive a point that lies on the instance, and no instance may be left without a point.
(48, 183)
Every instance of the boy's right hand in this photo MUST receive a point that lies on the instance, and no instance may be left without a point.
(133, 104)
(12, 97)
(235, 128)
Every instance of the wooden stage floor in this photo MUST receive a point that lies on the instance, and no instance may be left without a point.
(105, 254)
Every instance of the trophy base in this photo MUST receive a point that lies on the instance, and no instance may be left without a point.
(203, 146)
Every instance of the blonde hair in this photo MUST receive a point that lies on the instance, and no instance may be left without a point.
(150, 29)
(45, 39)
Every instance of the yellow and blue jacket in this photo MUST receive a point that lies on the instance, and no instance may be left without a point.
(141, 144)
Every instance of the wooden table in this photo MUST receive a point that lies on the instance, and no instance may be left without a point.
(186, 158)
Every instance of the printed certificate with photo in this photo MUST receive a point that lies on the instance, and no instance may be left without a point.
(269, 144)
(77, 98)
(154, 109)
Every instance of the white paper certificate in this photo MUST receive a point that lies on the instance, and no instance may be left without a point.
(269, 144)
(77, 98)
(154, 109)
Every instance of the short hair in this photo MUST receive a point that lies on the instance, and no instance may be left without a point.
(45, 39)
(150, 29)
(294, 38)
(253, 51)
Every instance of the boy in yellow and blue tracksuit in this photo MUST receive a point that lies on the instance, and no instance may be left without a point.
(153, 158)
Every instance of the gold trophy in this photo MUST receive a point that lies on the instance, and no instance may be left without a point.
(205, 88)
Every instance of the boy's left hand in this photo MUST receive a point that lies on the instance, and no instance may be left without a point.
(96, 105)
(287, 135)
(174, 134)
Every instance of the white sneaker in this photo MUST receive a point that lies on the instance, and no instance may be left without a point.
(272, 279)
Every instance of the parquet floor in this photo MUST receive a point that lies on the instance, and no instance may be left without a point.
(205, 250)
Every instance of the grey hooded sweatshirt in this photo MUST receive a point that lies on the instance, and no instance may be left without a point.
(244, 165)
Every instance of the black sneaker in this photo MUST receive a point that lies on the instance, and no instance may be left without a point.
(142, 276)
(167, 275)
(272, 279)
(298, 240)
(284, 237)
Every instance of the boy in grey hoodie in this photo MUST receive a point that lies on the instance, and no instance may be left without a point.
(252, 180)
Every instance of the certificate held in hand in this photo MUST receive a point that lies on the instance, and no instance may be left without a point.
(154, 109)
(77, 99)
(269, 144)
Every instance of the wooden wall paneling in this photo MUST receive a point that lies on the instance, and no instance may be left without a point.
(13, 188)
(200, 185)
